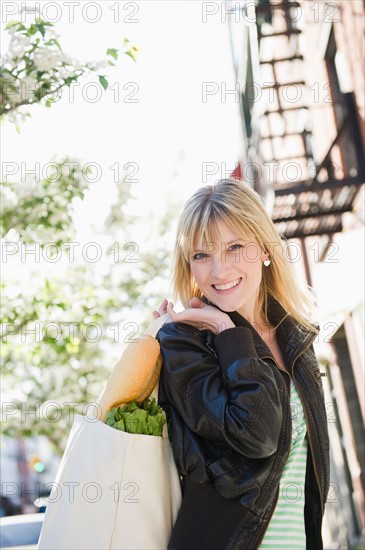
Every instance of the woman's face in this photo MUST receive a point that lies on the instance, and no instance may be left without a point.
(228, 273)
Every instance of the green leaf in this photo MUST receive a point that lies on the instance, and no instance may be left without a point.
(41, 26)
(103, 81)
(41, 29)
(43, 22)
(53, 41)
(113, 52)
(13, 23)
(70, 79)
(32, 30)
(132, 53)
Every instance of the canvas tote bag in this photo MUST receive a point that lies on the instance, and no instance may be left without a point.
(113, 490)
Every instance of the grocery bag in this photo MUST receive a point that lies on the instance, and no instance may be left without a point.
(113, 490)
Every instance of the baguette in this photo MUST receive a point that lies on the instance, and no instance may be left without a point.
(133, 377)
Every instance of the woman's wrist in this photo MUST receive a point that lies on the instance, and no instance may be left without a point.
(225, 324)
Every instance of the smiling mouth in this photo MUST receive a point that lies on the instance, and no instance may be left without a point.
(228, 286)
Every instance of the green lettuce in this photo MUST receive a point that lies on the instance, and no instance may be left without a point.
(145, 418)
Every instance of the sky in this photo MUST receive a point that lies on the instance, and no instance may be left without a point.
(159, 123)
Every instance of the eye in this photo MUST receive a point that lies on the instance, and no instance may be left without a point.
(235, 246)
(199, 256)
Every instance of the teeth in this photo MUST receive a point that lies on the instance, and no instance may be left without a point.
(228, 285)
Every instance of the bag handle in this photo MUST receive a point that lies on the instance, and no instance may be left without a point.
(156, 324)
(152, 330)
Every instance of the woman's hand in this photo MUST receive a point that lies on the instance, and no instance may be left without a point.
(161, 311)
(199, 315)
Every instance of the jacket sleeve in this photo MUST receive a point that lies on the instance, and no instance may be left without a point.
(230, 397)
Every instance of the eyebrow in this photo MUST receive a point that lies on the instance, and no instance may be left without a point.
(230, 242)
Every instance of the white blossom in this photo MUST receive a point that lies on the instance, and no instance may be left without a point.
(46, 59)
(30, 81)
(73, 62)
(28, 86)
(23, 191)
(8, 198)
(19, 44)
(6, 58)
(56, 218)
(95, 65)
(65, 72)
(12, 90)
(52, 33)
(15, 117)
(36, 54)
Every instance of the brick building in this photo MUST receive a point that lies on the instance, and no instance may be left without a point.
(300, 68)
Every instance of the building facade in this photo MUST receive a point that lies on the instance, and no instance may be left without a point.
(300, 69)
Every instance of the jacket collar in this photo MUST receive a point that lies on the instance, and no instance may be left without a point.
(293, 338)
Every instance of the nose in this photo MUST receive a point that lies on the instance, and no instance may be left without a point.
(219, 267)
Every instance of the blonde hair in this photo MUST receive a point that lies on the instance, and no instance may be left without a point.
(241, 208)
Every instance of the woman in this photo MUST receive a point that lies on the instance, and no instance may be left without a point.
(240, 383)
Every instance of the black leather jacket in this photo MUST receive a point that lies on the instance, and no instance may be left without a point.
(229, 416)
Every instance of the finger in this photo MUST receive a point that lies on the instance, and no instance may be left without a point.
(163, 306)
(196, 302)
(170, 310)
(185, 316)
(155, 314)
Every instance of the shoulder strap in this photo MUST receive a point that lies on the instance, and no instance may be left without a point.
(155, 326)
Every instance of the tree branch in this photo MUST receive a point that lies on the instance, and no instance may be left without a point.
(7, 110)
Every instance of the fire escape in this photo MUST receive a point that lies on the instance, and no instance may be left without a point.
(311, 194)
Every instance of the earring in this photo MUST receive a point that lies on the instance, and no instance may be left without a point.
(267, 262)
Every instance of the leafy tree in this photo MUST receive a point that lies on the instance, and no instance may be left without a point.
(35, 68)
(64, 326)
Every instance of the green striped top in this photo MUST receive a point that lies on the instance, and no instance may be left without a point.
(286, 529)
